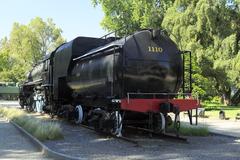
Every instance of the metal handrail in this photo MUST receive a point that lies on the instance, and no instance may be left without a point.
(159, 93)
(154, 94)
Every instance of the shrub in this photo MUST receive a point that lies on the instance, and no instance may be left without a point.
(194, 131)
(190, 130)
(41, 129)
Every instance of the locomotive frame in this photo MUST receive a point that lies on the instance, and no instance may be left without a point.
(88, 80)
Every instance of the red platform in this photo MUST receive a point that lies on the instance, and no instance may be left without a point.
(153, 105)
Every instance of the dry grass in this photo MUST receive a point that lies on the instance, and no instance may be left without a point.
(40, 128)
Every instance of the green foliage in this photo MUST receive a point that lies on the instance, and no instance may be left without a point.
(202, 86)
(187, 130)
(212, 105)
(132, 14)
(217, 100)
(205, 28)
(212, 110)
(26, 45)
(194, 131)
(209, 28)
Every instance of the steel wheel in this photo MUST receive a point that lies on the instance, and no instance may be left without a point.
(117, 124)
(78, 118)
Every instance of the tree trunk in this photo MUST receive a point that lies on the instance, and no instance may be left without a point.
(235, 98)
(227, 97)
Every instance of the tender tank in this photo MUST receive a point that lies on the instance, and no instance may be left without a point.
(153, 64)
(145, 62)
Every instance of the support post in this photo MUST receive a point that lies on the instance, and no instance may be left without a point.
(196, 116)
(190, 116)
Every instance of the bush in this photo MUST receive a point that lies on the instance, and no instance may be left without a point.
(216, 100)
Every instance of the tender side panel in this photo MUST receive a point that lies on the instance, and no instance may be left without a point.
(153, 105)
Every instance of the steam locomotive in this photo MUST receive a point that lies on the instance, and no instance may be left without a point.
(111, 82)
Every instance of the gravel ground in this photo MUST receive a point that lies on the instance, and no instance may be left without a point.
(84, 143)
(13, 145)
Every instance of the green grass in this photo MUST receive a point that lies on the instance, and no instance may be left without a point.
(212, 110)
(39, 128)
(212, 106)
(193, 131)
(229, 113)
(190, 130)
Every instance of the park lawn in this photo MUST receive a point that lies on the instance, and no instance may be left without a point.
(229, 113)
(212, 110)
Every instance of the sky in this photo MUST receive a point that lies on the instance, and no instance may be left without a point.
(74, 17)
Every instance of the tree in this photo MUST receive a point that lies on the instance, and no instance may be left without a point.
(209, 28)
(46, 34)
(130, 15)
(5, 59)
(26, 45)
